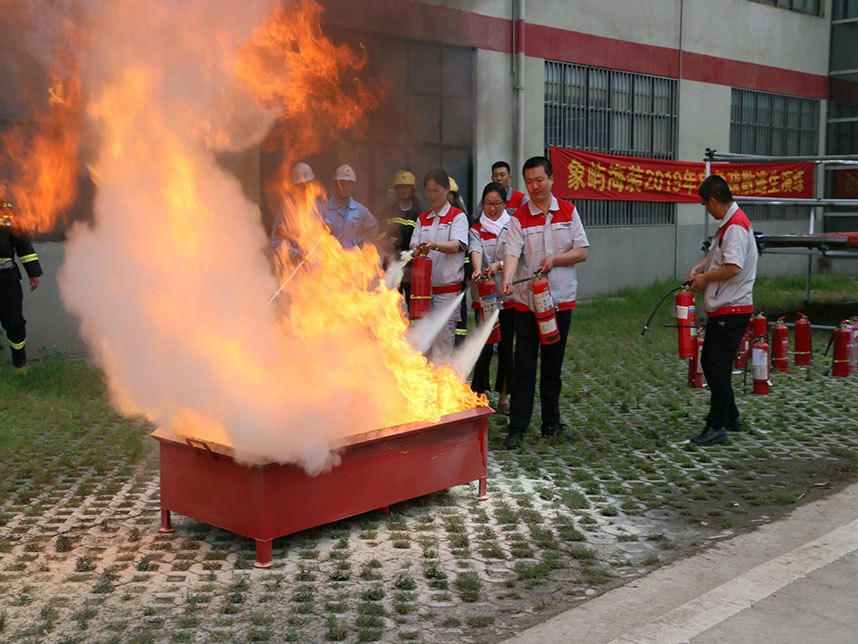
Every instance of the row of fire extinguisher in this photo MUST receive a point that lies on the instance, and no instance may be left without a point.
(755, 345)
(421, 299)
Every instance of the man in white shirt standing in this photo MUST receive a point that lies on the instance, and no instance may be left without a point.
(726, 277)
(545, 236)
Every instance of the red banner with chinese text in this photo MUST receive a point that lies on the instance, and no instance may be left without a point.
(589, 175)
(846, 184)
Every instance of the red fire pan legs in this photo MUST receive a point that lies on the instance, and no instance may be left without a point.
(266, 500)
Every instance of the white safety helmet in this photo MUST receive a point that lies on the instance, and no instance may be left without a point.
(302, 173)
(345, 173)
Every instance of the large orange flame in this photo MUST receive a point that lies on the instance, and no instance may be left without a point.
(172, 283)
(43, 160)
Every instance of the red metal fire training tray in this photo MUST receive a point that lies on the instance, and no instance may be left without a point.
(265, 500)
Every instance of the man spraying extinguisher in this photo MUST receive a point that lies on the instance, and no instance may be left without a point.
(726, 278)
(545, 241)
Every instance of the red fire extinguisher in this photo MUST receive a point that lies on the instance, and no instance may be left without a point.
(842, 340)
(802, 353)
(421, 286)
(760, 363)
(546, 320)
(780, 346)
(695, 365)
(744, 347)
(686, 322)
(759, 328)
(489, 304)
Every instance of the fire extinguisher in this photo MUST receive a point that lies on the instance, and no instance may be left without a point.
(780, 346)
(686, 322)
(842, 340)
(489, 304)
(421, 286)
(802, 353)
(695, 364)
(760, 363)
(759, 328)
(744, 348)
(546, 320)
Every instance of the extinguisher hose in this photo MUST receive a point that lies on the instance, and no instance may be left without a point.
(658, 306)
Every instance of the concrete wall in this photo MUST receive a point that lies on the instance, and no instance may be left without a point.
(757, 33)
(494, 117)
(616, 255)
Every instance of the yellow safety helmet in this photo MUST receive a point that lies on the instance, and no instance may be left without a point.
(404, 178)
(454, 187)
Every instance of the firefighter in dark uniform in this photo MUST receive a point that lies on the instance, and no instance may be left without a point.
(14, 241)
(398, 221)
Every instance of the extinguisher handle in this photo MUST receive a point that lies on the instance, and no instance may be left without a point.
(422, 249)
(536, 275)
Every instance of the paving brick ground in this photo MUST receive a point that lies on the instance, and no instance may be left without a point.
(82, 561)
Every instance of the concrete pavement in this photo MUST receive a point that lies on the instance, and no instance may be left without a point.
(793, 581)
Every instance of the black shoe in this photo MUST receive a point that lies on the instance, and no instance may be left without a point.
(735, 425)
(710, 436)
(513, 439)
(553, 429)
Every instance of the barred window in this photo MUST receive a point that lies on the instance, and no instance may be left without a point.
(763, 123)
(844, 10)
(802, 6)
(613, 112)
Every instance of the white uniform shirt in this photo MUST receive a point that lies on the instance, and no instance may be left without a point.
(447, 225)
(532, 237)
(732, 243)
(492, 248)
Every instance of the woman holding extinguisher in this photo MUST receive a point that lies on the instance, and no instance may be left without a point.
(442, 233)
(487, 248)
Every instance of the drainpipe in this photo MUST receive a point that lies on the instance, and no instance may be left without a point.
(518, 22)
(676, 139)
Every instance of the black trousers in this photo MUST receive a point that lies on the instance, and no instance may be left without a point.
(12, 318)
(480, 381)
(720, 344)
(522, 386)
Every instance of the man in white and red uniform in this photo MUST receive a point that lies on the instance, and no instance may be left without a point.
(726, 277)
(545, 236)
(502, 174)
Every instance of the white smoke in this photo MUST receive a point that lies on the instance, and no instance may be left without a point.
(171, 280)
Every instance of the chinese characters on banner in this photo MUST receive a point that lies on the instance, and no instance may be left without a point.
(589, 175)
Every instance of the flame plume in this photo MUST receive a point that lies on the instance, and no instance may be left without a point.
(171, 280)
(43, 161)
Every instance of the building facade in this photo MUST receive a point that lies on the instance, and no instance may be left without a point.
(655, 78)
(464, 84)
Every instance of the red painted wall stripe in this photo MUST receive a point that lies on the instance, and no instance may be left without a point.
(587, 49)
(736, 73)
(410, 19)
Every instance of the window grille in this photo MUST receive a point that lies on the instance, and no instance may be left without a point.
(762, 123)
(802, 6)
(613, 112)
